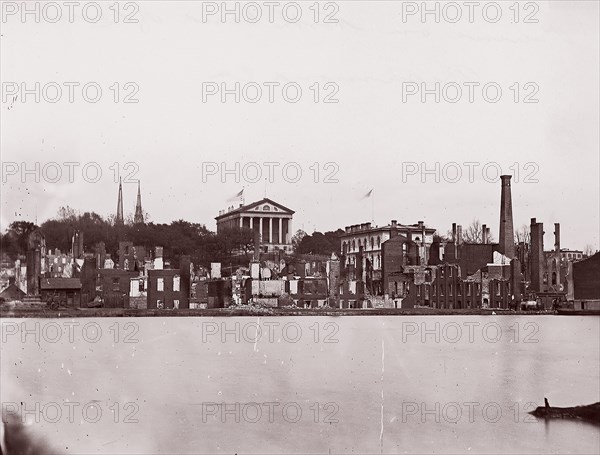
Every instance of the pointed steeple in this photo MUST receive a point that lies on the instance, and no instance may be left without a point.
(139, 214)
(119, 219)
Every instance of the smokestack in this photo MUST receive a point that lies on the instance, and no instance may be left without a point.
(454, 232)
(507, 241)
(537, 255)
(483, 234)
(557, 237)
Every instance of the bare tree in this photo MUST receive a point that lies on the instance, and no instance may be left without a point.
(523, 234)
(130, 218)
(111, 219)
(67, 214)
(474, 233)
(588, 250)
(437, 237)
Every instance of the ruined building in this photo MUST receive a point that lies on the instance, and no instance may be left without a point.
(36, 250)
(547, 275)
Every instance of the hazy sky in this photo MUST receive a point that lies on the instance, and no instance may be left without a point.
(370, 58)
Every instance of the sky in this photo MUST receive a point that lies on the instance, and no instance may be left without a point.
(365, 117)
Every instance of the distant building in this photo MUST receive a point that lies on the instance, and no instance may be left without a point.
(441, 286)
(67, 290)
(586, 284)
(269, 219)
(12, 292)
(115, 286)
(169, 288)
(131, 257)
(571, 255)
(397, 253)
(164, 289)
(371, 240)
(546, 277)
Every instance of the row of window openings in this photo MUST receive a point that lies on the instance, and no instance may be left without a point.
(160, 284)
(375, 261)
(459, 291)
(365, 244)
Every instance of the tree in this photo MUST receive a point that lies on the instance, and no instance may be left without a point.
(57, 234)
(319, 243)
(59, 231)
(129, 218)
(523, 234)
(297, 238)
(472, 234)
(66, 214)
(588, 250)
(230, 241)
(14, 242)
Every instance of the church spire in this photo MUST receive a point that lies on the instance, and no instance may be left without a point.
(139, 214)
(119, 219)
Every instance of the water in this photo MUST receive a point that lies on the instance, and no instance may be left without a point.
(373, 391)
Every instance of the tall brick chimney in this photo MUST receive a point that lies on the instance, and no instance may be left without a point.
(557, 237)
(483, 234)
(537, 256)
(507, 241)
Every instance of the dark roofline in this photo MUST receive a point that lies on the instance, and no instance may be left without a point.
(254, 204)
(399, 237)
(60, 283)
(388, 228)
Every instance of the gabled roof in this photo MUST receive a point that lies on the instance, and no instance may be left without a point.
(253, 205)
(60, 283)
(12, 289)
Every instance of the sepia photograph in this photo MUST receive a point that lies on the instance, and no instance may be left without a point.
(310, 227)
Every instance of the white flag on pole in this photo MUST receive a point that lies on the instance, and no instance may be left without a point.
(237, 197)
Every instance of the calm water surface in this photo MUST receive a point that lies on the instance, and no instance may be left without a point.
(362, 384)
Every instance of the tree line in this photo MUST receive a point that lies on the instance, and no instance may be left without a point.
(177, 238)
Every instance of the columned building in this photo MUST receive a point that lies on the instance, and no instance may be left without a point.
(272, 221)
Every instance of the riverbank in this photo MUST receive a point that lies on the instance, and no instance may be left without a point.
(15, 312)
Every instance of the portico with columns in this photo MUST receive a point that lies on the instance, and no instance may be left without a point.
(270, 219)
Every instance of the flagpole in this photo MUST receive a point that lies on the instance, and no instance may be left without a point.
(373, 207)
